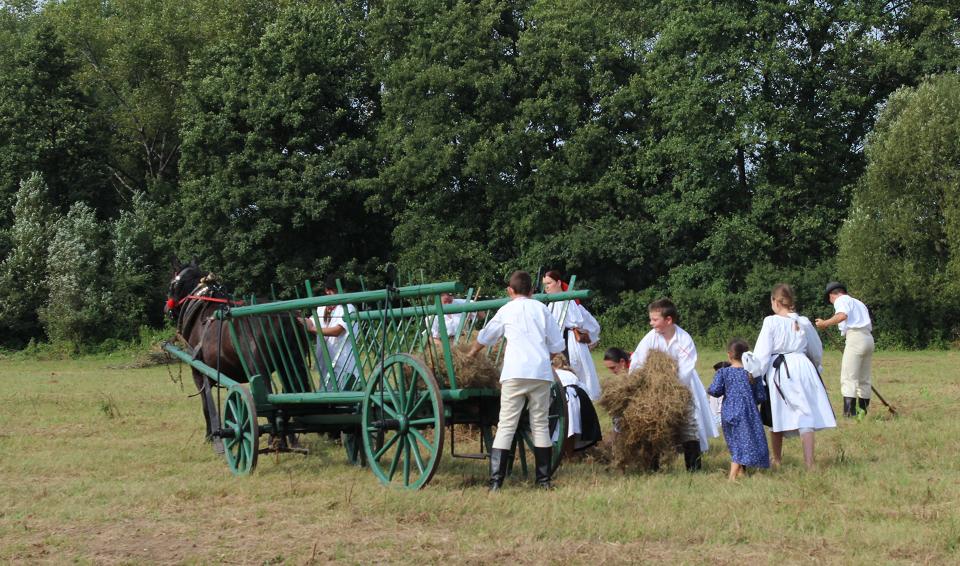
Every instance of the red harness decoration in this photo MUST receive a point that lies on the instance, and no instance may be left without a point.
(171, 303)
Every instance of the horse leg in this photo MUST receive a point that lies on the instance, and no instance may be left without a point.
(210, 414)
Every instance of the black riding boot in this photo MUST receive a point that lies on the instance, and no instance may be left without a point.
(864, 403)
(849, 407)
(543, 457)
(691, 455)
(499, 459)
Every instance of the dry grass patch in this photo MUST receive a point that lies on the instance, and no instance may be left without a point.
(80, 485)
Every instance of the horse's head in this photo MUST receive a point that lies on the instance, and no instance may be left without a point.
(185, 279)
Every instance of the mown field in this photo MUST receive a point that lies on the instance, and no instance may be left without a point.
(104, 464)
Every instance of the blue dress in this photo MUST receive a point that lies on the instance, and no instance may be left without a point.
(739, 416)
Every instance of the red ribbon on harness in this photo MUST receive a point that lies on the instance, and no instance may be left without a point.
(171, 303)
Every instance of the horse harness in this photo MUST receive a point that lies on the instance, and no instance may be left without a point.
(195, 303)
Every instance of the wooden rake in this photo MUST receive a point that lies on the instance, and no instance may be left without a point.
(884, 401)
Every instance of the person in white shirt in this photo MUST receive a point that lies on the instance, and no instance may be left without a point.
(667, 337)
(451, 321)
(532, 336)
(336, 348)
(583, 430)
(581, 333)
(788, 353)
(853, 319)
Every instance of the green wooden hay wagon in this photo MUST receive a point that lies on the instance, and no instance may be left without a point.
(386, 403)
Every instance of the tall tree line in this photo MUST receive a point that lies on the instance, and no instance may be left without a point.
(700, 149)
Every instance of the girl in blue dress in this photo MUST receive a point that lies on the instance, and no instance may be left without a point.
(739, 415)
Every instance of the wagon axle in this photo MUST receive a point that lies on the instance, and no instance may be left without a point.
(224, 433)
(391, 424)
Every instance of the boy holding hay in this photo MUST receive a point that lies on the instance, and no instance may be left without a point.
(667, 337)
(532, 336)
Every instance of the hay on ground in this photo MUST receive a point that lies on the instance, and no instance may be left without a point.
(470, 371)
(652, 408)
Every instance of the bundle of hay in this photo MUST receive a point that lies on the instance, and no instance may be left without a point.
(652, 408)
(471, 371)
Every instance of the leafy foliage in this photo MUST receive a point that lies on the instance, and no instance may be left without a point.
(23, 282)
(900, 247)
(275, 143)
(50, 125)
(701, 150)
(73, 313)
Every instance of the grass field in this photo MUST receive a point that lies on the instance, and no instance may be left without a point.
(100, 464)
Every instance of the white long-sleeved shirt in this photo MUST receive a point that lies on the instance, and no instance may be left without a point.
(339, 347)
(857, 314)
(784, 335)
(532, 335)
(450, 321)
(577, 316)
(680, 348)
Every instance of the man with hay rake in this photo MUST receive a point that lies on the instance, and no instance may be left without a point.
(853, 319)
(665, 336)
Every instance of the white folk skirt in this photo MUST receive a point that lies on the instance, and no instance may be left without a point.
(797, 396)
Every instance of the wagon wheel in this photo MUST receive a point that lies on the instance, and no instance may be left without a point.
(240, 423)
(559, 425)
(402, 423)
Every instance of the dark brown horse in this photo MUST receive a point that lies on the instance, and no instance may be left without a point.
(192, 301)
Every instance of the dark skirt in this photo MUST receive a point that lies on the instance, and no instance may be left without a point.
(590, 433)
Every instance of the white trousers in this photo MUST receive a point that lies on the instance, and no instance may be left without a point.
(855, 366)
(513, 393)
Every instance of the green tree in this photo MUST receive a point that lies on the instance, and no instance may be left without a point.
(899, 246)
(448, 83)
(137, 276)
(74, 313)
(275, 142)
(49, 124)
(23, 281)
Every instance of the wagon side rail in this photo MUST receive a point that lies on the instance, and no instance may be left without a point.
(413, 332)
(285, 350)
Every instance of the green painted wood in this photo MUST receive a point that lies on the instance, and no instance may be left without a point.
(404, 393)
(316, 398)
(412, 291)
(258, 388)
(477, 306)
(243, 445)
(203, 368)
(466, 394)
(343, 420)
(444, 341)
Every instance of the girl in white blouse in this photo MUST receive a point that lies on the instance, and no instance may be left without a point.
(788, 354)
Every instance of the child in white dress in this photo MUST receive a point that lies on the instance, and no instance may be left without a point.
(788, 353)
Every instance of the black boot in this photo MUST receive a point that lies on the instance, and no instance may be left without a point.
(849, 407)
(499, 459)
(543, 457)
(691, 455)
(864, 403)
